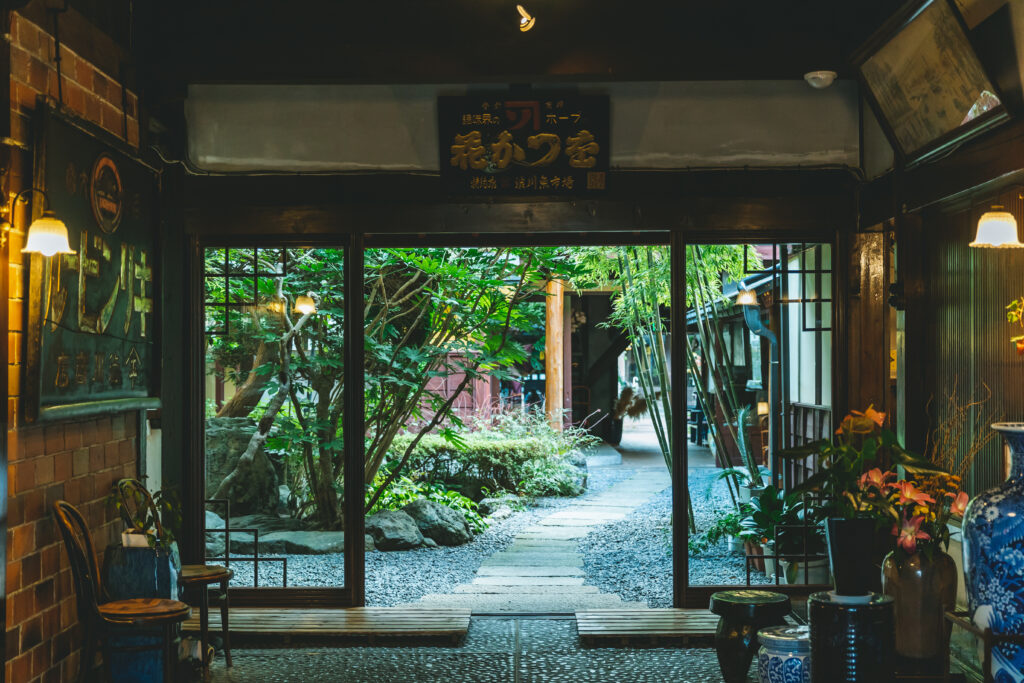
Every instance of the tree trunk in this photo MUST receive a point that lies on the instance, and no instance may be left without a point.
(248, 393)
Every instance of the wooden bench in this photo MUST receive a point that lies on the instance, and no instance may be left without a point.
(625, 626)
(369, 622)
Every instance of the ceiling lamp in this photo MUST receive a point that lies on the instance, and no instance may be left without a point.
(305, 305)
(526, 21)
(997, 229)
(820, 79)
(746, 297)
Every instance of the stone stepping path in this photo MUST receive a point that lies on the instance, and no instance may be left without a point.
(542, 571)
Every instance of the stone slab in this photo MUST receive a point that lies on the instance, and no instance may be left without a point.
(554, 533)
(555, 570)
(529, 602)
(478, 589)
(528, 581)
(535, 560)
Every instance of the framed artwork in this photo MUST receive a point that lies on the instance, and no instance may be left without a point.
(925, 81)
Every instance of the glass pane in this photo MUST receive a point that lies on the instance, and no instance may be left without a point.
(286, 502)
(746, 407)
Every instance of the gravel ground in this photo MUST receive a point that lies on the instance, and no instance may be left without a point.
(394, 578)
(633, 557)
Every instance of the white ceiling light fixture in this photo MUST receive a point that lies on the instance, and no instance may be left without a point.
(820, 80)
(997, 229)
(526, 20)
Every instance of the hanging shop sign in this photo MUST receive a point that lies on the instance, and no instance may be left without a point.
(91, 316)
(525, 144)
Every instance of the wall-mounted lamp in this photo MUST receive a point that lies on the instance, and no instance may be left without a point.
(304, 304)
(746, 297)
(47, 235)
(526, 20)
(997, 229)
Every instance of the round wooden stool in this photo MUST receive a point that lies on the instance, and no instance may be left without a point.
(202, 576)
(743, 613)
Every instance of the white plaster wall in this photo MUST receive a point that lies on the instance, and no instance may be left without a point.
(394, 128)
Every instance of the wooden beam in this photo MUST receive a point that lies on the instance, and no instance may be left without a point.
(554, 331)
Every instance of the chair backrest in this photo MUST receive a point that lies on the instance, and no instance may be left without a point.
(134, 491)
(85, 567)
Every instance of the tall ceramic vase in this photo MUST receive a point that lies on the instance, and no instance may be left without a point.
(993, 531)
(923, 588)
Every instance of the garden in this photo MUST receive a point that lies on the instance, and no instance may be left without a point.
(456, 459)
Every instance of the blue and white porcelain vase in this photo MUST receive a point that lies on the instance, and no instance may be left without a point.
(993, 544)
(785, 655)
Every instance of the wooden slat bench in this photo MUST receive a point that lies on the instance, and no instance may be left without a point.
(371, 622)
(607, 626)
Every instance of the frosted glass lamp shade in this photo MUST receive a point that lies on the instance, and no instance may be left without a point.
(746, 297)
(48, 236)
(997, 229)
(304, 304)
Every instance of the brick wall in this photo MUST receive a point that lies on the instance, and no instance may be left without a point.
(76, 461)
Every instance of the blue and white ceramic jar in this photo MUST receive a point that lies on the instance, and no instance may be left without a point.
(785, 655)
(993, 543)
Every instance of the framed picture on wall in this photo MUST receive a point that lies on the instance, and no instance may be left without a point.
(925, 82)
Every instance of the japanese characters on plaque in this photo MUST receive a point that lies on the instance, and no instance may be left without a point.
(529, 144)
(98, 305)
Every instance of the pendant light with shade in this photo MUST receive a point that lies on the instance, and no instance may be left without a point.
(47, 235)
(997, 229)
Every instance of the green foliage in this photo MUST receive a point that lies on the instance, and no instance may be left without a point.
(131, 504)
(728, 524)
(405, 489)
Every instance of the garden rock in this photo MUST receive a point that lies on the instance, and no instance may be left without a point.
(488, 506)
(393, 530)
(266, 523)
(214, 540)
(303, 542)
(439, 522)
(368, 543)
(257, 489)
(428, 542)
(501, 512)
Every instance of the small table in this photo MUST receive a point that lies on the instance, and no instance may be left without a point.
(743, 613)
(202, 576)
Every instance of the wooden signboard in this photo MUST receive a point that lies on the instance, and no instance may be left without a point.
(524, 144)
(91, 316)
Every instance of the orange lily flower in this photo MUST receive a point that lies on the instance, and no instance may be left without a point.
(909, 533)
(959, 504)
(910, 494)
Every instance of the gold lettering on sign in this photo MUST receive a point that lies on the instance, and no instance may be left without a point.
(133, 363)
(98, 368)
(138, 271)
(88, 265)
(81, 367)
(114, 370)
(61, 379)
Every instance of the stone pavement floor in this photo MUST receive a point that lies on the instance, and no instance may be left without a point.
(496, 650)
(542, 571)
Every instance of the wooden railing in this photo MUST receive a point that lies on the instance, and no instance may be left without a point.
(804, 423)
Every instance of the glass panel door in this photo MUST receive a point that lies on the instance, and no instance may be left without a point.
(273, 415)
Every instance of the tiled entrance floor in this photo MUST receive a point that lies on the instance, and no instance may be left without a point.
(496, 650)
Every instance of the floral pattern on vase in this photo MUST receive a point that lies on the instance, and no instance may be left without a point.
(785, 655)
(993, 546)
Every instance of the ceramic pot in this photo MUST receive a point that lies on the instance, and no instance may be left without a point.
(849, 557)
(851, 643)
(793, 572)
(756, 551)
(785, 654)
(734, 543)
(993, 545)
(922, 590)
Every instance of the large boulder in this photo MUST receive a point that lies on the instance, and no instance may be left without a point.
(393, 530)
(439, 522)
(214, 539)
(257, 489)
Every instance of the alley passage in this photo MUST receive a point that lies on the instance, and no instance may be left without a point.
(542, 571)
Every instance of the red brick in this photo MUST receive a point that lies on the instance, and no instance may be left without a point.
(13, 576)
(50, 560)
(62, 466)
(100, 85)
(117, 427)
(13, 641)
(24, 475)
(104, 430)
(80, 462)
(54, 438)
(111, 454)
(38, 75)
(111, 118)
(33, 505)
(95, 458)
(20, 668)
(19, 64)
(14, 450)
(33, 442)
(44, 469)
(126, 449)
(20, 604)
(92, 107)
(74, 96)
(72, 436)
(88, 432)
(133, 132)
(31, 569)
(40, 655)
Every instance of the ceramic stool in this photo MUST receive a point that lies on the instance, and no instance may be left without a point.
(743, 613)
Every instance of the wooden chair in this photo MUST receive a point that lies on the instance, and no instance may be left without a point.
(193, 576)
(99, 616)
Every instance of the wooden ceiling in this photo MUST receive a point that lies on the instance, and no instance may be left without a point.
(478, 41)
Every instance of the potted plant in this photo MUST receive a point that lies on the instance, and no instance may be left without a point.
(744, 482)
(764, 512)
(852, 528)
(627, 404)
(799, 538)
(146, 564)
(728, 527)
